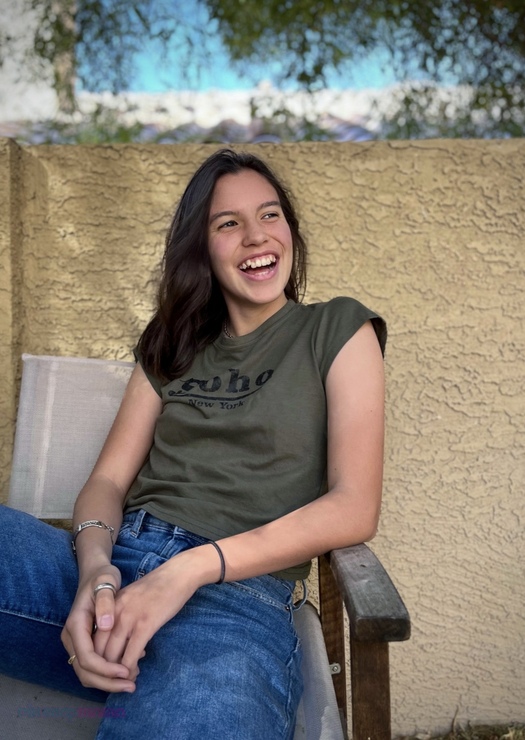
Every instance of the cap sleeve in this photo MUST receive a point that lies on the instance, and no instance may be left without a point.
(340, 319)
(155, 382)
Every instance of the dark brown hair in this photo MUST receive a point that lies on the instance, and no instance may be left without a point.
(190, 306)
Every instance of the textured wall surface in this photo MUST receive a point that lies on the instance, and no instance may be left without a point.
(431, 234)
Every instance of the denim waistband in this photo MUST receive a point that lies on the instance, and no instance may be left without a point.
(141, 520)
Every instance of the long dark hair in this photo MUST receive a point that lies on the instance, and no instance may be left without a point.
(190, 306)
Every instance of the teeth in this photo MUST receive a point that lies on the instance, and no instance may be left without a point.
(268, 259)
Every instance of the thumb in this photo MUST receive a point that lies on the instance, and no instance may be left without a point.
(104, 595)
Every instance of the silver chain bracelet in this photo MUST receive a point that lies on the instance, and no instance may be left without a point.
(90, 523)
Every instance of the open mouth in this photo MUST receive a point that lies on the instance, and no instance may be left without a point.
(259, 265)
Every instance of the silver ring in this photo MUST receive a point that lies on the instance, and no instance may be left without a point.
(101, 586)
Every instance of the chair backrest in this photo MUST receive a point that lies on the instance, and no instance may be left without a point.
(67, 406)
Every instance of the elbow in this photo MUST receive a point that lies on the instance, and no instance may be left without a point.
(357, 536)
(357, 520)
(371, 521)
(366, 531)
(369, 528)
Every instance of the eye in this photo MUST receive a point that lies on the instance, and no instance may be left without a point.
(228, 224)
(271, 214)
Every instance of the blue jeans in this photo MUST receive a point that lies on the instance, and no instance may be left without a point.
(227, 666)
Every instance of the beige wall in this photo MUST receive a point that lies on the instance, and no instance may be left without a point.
(431, 234)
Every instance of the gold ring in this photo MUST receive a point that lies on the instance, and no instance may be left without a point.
(70, 661)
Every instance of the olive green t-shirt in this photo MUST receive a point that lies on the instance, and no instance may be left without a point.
(241, 439)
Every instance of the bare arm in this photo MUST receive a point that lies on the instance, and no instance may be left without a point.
(122, 456)
(102, 499)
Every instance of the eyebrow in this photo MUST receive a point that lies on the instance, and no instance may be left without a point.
(267, 204)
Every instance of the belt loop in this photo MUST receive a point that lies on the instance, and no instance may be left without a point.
(137, 524)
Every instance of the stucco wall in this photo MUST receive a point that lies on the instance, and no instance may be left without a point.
(431, 234)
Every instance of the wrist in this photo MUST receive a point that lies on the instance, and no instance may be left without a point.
(203, 564)
(92, 560)
(88, 524)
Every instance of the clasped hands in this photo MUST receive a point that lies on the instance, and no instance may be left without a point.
(108, 633)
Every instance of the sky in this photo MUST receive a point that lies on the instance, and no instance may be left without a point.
(371, 72)
(154, 75)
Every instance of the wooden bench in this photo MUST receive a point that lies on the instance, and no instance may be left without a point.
(66, 408)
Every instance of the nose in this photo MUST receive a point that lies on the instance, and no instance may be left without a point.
(253, 233)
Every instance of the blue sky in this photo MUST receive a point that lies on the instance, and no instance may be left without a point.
(153, 76)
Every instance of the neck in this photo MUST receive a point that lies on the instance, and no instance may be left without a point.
(243, 321)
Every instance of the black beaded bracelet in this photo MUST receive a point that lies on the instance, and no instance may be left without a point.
(223, 564)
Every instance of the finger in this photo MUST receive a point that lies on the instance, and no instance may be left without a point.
(104, 607)
(116, 643)
(100, 641)
(135, 651)
(77, 632)
(111, 685)
(94, 671)
(79, 641)
(114, 651)
(67, 642)
(123, 642)
(131, 663)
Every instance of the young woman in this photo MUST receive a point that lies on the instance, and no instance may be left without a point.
(249, 440)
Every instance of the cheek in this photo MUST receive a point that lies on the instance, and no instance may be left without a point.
(287, 238)
(289, 248)
(216, 251)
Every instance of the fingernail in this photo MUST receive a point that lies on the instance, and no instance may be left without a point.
(104, 621)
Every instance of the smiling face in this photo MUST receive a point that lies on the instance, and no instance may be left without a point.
(250, 246)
